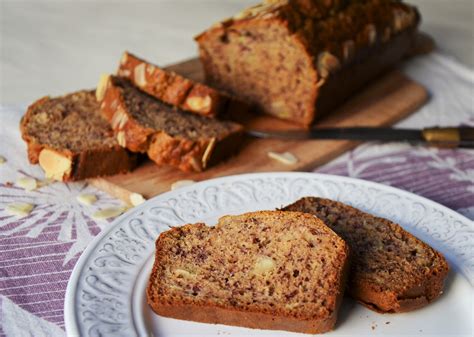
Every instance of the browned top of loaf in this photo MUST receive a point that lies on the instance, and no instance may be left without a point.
(384, 254)
(345, 27)
(172, 88)
(156, 115)
(72, 123)
(283, 263)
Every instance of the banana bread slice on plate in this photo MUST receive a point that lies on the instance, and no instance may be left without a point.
(168, 135)
(266, 270)
(71, 140)
(391, 270)
(173, 88)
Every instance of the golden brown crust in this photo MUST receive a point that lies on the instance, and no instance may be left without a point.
(172, 88)
(415, 297)
(33, 148)
(85, 164)
(411, 292)
(164, 149)
(255, 320)
(209, 312)
(349, 43)
(101, 162)
(185, 154)
(136, 137)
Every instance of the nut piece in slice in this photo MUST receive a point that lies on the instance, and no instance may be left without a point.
(55, 165)
(391, 270)
(246, 271)
(71, 140)
(172, 88)
(168, 135)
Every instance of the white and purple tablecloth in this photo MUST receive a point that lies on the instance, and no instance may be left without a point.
(38, 252)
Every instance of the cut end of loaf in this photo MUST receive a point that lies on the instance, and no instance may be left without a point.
(70, 139)
(262, 64)
(281, 55)
(271, 270)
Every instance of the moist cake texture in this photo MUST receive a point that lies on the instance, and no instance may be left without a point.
(168, 135)
(269, 270)
(391, 270)
(297, 60)
(71, 140)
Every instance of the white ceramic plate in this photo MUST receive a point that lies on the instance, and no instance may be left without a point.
(105, 295)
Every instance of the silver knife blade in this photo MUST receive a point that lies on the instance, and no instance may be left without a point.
(352, 133)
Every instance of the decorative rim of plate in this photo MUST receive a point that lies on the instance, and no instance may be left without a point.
(448, 229)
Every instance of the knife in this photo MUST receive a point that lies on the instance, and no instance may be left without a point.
(436, 136)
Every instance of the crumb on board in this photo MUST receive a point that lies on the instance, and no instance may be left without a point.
(387, 322)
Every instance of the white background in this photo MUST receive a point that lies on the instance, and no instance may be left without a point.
(55, 47)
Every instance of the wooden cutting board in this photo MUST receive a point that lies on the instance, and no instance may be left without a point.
(383, 103)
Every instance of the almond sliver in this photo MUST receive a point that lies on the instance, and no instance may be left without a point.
(87, 199)
(181, 183)
(27, 183)
(20, 209)
(286, 158)
(136, 199)
(107, 213)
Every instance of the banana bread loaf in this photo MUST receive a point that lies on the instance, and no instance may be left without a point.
(391, 270)
(175, 89)
(297, 60)
(168, 135)
(266, 270)
(71, 140)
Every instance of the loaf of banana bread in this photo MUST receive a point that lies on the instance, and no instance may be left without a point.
(174, 89)
(298, 60)
(168, 135)
(266, 270)
(71, 140)
(391, 270)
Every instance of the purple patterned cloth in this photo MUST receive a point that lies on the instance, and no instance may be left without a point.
(38, 251)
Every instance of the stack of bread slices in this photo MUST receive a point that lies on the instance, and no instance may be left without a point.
(142, 109)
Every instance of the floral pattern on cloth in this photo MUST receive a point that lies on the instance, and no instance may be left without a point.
(444, 176)
(39, 251)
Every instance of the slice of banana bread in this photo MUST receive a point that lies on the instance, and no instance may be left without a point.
(392, 271)
(298, 60)
(266, 270)
(173, 88)
(168, 135)
(71, 140)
